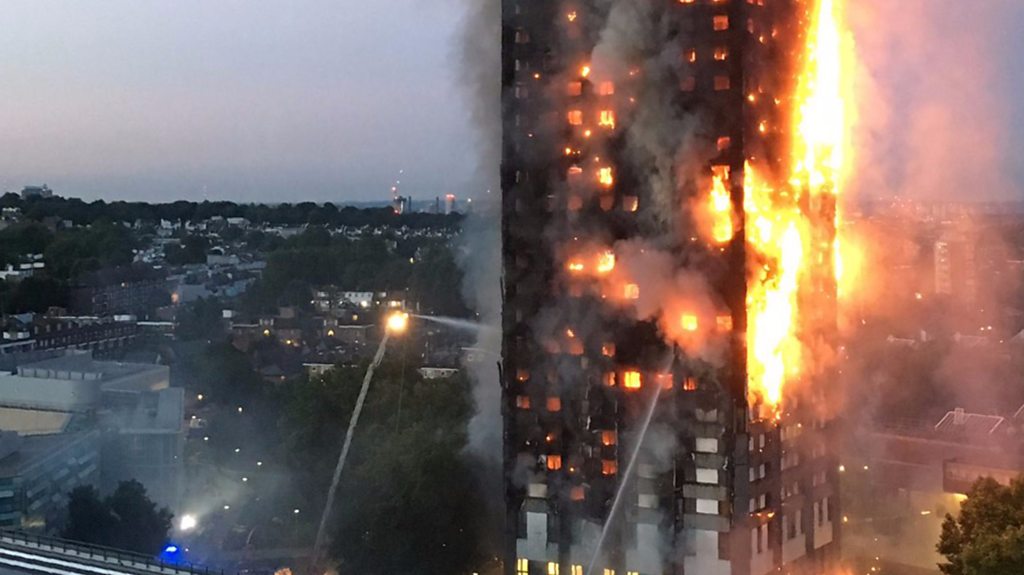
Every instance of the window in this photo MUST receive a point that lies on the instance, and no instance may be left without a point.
(707, 506)
(554, 462)
(552, 568)
(522, 566)
(707, 476)
(609, 467)
(554, 404)
(523, 402)
(575, 117)
(631, 380)
(690, 384)
(575, 88)
(608, 438)
(606, 88)
(707, 445)
(576, 570)
(688, 84)
(720, 23)
(721, 83)
(609, 571)
(721, 53)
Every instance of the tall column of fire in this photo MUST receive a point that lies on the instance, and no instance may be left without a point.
(670, 181)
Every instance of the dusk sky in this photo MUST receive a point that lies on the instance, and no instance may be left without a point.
(288, 100)
(270, 100)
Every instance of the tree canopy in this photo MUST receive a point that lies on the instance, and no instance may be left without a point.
(127, 519)
(407, 502)
(988, 536)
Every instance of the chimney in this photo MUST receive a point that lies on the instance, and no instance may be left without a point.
(959, 416)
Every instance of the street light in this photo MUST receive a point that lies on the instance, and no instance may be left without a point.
(397, 322)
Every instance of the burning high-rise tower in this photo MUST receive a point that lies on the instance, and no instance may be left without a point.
(669, 184)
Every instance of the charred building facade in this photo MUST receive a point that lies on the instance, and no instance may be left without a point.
(635, 442)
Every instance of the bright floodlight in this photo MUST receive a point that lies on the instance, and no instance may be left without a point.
(398, 322)
(188, 522)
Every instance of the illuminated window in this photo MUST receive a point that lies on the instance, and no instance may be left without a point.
(577, 570)
(721, 83)
(721, 22)
(612, 571)
(630, 203)
(522, 566)
(631, 380)
(609, 467)
(689, 322)
(691, 55)
(523, 402)
(577, 493)
(575, 117)
(608, 349)
(608, 438)
(605, 177)
(690, 384)
(721, 53)
(724, 323)
(664, 380)
(575, 89)
(723, 143)
(554, 462)
(552, 568)
(554, 404)
(607, 119)
(606, 88)
(522, 375)
(609, 379)
(632, 291)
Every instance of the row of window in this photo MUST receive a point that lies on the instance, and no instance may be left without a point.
(552, 568)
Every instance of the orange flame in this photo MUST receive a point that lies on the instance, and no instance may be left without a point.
(784, 224)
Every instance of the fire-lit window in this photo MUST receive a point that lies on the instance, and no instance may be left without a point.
(724, 323)
(691, 55)
(609, 379)
(631, 291)
(723, 143)
(608, 350)
(609, 467)
(690, 384)
(631, 379)
(577, 493)
(554, 404)
(575, 89)
(605, 177)
(606, 88)
(607, 202)
(552, 568)
(523, 401)
(688, 84)
(522, 566)
(721, 53)
(554, 462)
(575, 117)
(612, 571)
(720, 22)
(664, 380)
(721, 83)
(630, 203)
(576, 570)
(522, 375)
(609, 438)
(689, 322)
(607, 119)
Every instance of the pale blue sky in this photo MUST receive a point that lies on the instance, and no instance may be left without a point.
(287, 100)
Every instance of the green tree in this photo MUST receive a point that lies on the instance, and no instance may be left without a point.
(407, 502)
(127, 519)
(988, 536)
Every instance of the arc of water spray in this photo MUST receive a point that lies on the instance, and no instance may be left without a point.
(625, 479)
(352, 423)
